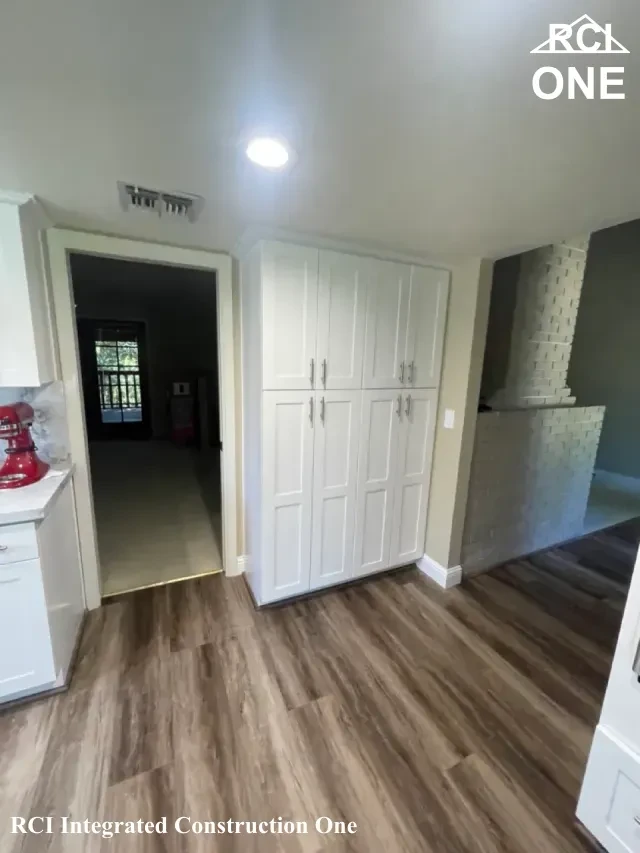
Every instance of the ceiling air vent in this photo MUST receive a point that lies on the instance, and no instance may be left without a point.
(174, 205)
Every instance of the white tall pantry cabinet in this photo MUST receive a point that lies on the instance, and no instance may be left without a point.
(341, 367)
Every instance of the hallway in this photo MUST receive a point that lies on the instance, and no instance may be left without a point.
(157, 513)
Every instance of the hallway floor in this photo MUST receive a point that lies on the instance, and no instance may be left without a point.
(157, 513)
(437, 721)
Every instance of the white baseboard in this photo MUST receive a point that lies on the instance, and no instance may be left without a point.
(445, 578)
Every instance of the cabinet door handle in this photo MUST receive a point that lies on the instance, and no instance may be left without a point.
(312, 371)
(9, 580)
(412, 367)
(4, 547)
(311, 409)
(407, 410)
(637, 819)
(324, 372)
(399, 406)
(402, 371)
(322, 410)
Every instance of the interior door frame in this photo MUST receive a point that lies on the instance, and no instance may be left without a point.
(61, 243)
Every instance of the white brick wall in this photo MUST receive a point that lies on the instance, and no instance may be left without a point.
(530, 481)
(549, 287)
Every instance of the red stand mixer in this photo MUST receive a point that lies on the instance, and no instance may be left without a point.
(22, 465)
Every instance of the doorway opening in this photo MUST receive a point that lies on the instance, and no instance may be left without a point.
(148, 354)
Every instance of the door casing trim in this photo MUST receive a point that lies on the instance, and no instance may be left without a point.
(60, 244)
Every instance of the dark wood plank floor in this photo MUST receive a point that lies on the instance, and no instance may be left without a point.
(439, 722)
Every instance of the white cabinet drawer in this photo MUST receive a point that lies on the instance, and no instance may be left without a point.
(26, 660)
(609, 803)
(18, 542)
(624, 811)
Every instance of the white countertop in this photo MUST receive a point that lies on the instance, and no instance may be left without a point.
(31, 503)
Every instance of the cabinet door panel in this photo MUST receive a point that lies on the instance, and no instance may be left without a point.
(287, 448)
(379, 431)
(290, 304)
(26, 345)
(386, 327)
(427, 317)
(26, 662)
(415, 451)
(335, 467)
(341, 320)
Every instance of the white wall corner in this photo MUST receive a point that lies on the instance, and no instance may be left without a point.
(243, 564)
(444, 577)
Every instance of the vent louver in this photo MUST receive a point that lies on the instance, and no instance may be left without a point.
(175, 205)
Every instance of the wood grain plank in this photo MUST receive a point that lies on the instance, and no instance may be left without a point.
(455, 720)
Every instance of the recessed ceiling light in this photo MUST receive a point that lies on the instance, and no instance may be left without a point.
(268, 152)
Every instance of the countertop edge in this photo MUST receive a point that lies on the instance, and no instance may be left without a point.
(58, 479)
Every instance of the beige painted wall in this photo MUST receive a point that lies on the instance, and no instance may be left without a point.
(462, 369)
(606, 351)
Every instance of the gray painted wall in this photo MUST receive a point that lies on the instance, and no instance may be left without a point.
(502, 306)
(605, 360)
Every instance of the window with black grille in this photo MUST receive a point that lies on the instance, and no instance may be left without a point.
(118, 362)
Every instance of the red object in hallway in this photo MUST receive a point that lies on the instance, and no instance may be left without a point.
(181, 413)
(22, 465)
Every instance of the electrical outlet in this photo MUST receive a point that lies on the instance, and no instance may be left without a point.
(449, 418)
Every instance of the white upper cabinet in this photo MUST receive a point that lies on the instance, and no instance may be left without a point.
(290, 309)
(335, 466)
(287, 492)
(342, 294)
(26, 344)
(386, 326)
(413, 475)
(379, 432)
(425, 329)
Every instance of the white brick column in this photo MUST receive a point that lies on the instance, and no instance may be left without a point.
(544, 322)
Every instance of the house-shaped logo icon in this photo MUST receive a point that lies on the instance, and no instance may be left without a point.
(584, 35)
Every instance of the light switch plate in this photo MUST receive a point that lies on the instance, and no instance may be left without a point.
(449, 418)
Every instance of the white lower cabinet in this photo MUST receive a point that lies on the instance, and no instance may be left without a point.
(397, 436)
(335, 461)
(609, 803)
(26, 660)
(287, 493)
(413, 474)
(379, 433)
(310, 454)
(41, 600)
(345, 482)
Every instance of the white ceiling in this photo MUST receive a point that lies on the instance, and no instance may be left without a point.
(414, 120)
